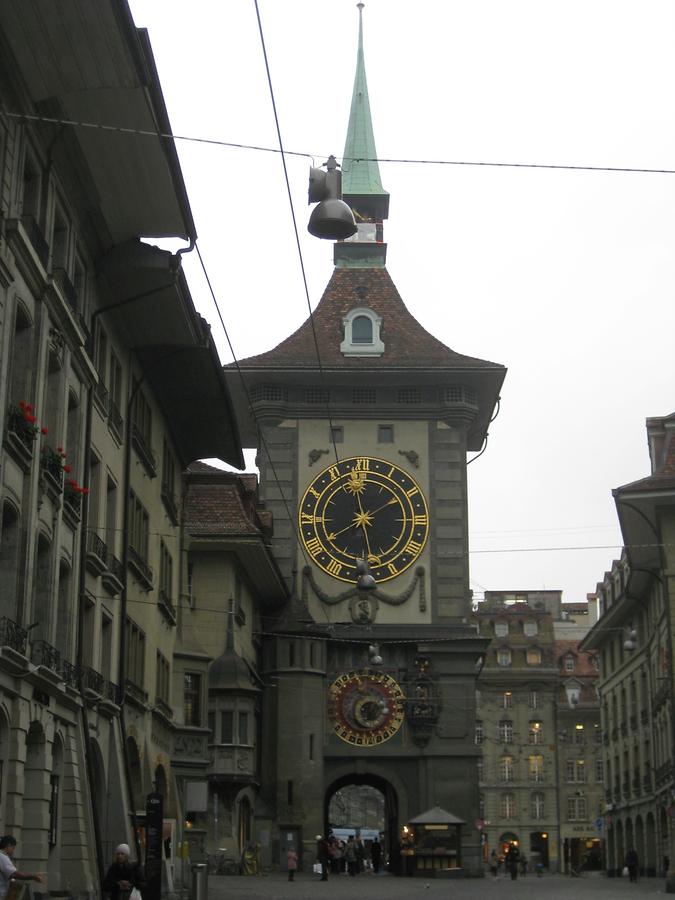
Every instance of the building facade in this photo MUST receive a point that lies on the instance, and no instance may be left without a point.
(110, 385)
(363, 422)
(537, 728)
(634, 639)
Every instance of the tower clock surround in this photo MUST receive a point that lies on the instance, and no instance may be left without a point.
(363, 507)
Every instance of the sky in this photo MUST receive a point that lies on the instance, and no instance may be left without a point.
(565, 277)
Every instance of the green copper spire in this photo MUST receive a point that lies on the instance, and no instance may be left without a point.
(362, 177)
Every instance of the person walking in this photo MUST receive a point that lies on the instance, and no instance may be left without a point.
(494, 864)
(323, 856)
(351, 857)
(123, 875)
(376, 855)
(632, 863)
(292, 862)
(511, 861)
(8, 871)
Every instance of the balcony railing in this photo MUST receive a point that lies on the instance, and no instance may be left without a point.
(113, 577)
(97, 546)
(66, 287)
(102, 396)
(144, 451)
(12, 635)
(17, 424)
(141, 568)
(165, 603)
(52, 466)
(135, 692)
(70, 674)
(93, 681)
(43, 654)
(115, 420)
(36, 238)
(163, 707)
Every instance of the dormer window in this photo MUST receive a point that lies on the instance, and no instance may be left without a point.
(362, 333)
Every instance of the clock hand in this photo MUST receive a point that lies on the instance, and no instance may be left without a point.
(365, 532)
(391, 502)
(334, 534)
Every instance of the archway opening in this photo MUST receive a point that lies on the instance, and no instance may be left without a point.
(365, 807)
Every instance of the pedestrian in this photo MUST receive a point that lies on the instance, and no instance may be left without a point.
(322, 856)
(632, 863)
(292, 864)
(123, 875)
(351, 857)
(511, 861)
(376, 855)
(494, 864)
(8, 871)
(360, 855)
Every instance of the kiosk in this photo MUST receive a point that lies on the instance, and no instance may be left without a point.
(431, 846)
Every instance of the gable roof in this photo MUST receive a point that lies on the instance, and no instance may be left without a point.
(407, 343)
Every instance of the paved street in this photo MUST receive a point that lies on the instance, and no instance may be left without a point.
(385, 887)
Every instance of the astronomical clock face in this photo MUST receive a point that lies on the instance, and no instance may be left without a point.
(367, 508)
(365, 708)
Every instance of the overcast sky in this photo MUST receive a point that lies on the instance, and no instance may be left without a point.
(564, 277)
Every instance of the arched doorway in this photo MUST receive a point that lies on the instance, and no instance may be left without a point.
(620, 849)
(365, 805)
(244, 823)
(55, 812)
(35, 799)
(650, 846)
(135, 775)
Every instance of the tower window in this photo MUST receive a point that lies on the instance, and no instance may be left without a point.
(362, 330)
(385, 434)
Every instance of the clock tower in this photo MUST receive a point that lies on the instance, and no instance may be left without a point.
(363, 421)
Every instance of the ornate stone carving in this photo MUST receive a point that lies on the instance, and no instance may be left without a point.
(315, 455)
(356, 597)
(412, 456)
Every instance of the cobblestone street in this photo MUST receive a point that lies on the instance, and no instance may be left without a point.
(385, 887)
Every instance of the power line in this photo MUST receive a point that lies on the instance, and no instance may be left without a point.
(119, 129)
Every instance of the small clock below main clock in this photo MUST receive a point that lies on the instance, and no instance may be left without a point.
(364, 507)
(366, 708)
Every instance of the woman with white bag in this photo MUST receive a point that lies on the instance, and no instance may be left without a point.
(125, 879)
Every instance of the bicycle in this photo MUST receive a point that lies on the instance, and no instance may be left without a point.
(221, 864)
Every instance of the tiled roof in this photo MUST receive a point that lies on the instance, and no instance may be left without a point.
(582, 667)
(218, 509)
(407, 343)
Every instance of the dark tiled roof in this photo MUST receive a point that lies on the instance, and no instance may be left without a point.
(406, 342)
(214, 509)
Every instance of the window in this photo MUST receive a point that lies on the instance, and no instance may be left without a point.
(226, 726)
(165, 575)
(576, 808)
(537, 805)
(139, 527)
(505, 731)
(481, 807)
(568, 663)
(362, 330)
(530, 628)
(480, 766)
(534, 700)
(501, 629)
(507, 806)
(478, 738)
(142, 416)
(506, 768)
(192, 696)
(362, 333)
(536, 732)
(162, 679)
(535, 767)
(579, 736)
(595, 663)
(243, 728)
(385, 434)
(599, 771)
(575, 771)
(337, 434)
(507, 700)
(364, 395)
(533, 656)
(53, 834)
(504, 656)
(135, 655)
(168, 473)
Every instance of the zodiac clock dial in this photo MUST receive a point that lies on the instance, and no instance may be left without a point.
(365, 708)
(363, 507)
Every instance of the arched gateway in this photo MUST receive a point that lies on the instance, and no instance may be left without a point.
(365, 805)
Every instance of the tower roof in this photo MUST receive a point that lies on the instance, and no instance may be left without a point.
(360, 170)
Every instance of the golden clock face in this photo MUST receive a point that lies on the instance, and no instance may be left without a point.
(365, 708)
(364, 507)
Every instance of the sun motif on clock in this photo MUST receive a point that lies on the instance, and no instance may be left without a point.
(363, 507)
(366, 708)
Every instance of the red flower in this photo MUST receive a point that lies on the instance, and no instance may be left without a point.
(29, 418)
(67, 469)
(44, 431)
(85, 490)
(72, 482)
(22, 404)
(59, 449)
